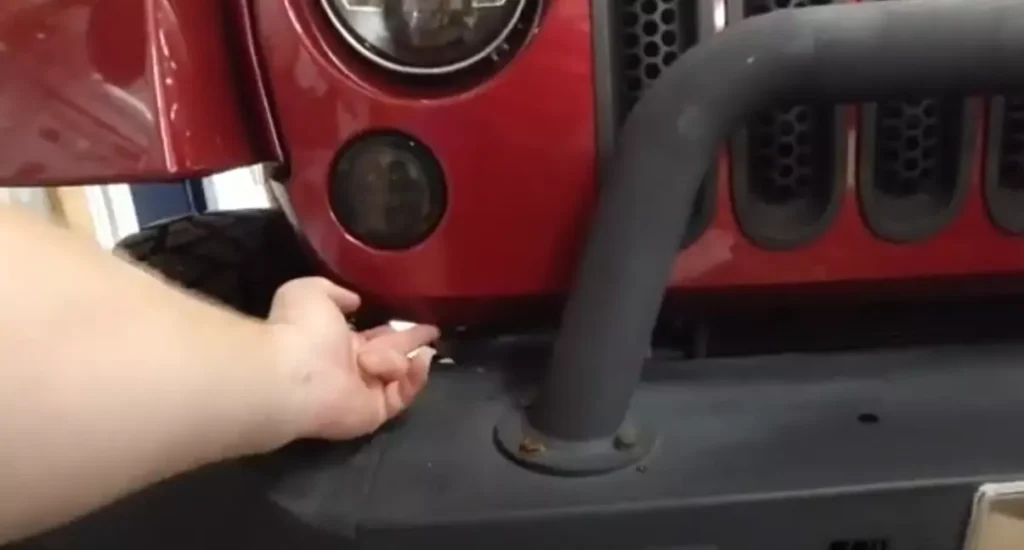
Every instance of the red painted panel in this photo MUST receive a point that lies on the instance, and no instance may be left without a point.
(119, 90)
(848, 252)
(519, 155)
(848, 255)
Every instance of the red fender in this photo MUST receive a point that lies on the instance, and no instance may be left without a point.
(128, 90)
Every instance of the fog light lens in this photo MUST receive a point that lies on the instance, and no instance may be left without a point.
(388, 191)
(425, 36)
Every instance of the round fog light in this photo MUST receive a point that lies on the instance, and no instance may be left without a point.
(388, 191)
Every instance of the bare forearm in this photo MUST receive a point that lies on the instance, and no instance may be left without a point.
(111, 379)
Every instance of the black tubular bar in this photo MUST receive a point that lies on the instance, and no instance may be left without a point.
(841, 53)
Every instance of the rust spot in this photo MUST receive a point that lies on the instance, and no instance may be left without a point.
(529, 446)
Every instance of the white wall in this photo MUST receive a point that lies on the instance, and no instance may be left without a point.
(110, 207)
(31, 198)
(113, 212)
(237, 189)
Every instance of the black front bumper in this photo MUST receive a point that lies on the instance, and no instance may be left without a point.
(797, 452)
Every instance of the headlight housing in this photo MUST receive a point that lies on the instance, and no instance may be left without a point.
(429, 36)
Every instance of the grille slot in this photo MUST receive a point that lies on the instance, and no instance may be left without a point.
(909, 147)
(652, 35)
(915, 160)
(788, 161)
(916, 155)
(1004, 181)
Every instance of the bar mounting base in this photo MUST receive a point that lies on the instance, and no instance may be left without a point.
(530, 448)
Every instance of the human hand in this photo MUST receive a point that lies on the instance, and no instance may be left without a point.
(344, 384)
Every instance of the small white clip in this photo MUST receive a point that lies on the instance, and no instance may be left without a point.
(398, 325)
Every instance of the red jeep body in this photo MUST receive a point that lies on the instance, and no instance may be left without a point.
(141, 90)
(586, 127)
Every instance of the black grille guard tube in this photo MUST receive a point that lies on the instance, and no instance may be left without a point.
(844, 53)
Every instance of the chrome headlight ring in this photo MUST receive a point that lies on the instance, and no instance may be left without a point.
(430, 37)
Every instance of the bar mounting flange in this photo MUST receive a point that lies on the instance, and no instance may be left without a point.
(535, 450)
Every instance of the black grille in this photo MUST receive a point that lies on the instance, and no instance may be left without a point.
(785, 154)
(1004, 184)
(909, 150)
(789, 163)
(786, 161)
(1011, 150)
(652, 35)
(916, 157)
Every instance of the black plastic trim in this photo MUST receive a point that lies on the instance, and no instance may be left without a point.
(705, 18)
(782, 451)
(899, 228)
(607, 46)
(1005, 205)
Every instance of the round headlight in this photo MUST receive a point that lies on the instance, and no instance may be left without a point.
(388, 191)
(427, 36)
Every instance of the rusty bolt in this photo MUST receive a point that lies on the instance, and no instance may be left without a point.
(531, 447)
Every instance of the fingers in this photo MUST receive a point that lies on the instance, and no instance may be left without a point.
(381, 360)
(399, 358)
(388, 364)
(392, 365)
(418, 373)
(376, 332)
(403, 342)
(400, 394)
